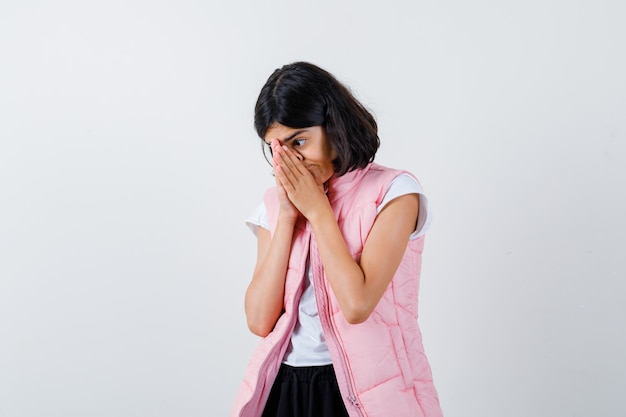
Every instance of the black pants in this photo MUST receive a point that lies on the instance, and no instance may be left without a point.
(309, 391)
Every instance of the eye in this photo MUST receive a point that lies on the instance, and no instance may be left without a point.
(298, 142)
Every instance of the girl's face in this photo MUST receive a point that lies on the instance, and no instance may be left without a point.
(311, 144)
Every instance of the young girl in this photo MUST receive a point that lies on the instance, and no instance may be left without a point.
(340, 239)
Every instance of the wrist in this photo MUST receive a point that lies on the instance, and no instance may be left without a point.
(322, 214)
(287, 218)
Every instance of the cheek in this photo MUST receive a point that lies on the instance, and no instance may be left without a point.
(329, 160)
(329, 171)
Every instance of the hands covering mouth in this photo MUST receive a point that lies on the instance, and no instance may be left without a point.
(296, 182)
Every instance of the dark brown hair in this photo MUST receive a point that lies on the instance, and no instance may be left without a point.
(301, 95)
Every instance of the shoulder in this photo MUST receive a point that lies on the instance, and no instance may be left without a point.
(377, 171)
(390, 181)
(406, 183)
(386, 175)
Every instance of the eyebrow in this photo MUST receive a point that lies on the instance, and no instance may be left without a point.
(290, 137)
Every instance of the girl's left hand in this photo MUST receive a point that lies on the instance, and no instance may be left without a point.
(302, 189)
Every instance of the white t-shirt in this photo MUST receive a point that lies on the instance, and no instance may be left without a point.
(308, 346)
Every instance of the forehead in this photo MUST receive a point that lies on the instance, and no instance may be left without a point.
(278, 131)
(284, 133)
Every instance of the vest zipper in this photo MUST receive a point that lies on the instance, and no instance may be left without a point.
(323, 307)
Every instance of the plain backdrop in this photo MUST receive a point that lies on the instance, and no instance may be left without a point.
(128, 163)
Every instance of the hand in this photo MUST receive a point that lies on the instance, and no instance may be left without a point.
(287, 209)
(297, 182)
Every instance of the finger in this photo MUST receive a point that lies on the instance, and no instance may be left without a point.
(289, 174)
(282, 161)
(283, 175)
(292, 161)
(274, 147)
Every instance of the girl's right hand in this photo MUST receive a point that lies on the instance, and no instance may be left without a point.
(287, 209)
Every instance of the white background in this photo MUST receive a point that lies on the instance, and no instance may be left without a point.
(128, 163)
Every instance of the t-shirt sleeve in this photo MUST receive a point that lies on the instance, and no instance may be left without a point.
(405, 184)
(258, 218)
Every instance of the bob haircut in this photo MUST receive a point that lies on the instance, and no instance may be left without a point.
(301, 95)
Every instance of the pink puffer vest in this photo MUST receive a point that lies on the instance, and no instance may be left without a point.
(380, 364)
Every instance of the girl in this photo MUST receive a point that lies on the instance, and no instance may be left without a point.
(340, 239)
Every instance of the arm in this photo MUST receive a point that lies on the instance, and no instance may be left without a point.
(264, 296)
(357, 286)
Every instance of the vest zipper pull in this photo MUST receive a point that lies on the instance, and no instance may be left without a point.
(354, 401)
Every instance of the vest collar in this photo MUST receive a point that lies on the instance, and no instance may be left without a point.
(339, 186)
